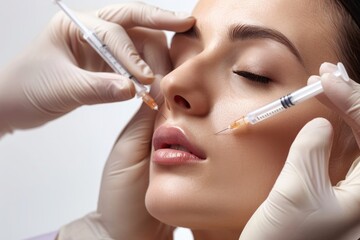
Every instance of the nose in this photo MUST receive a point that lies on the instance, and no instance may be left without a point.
(186, 88)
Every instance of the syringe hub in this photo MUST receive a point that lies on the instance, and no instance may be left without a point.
(238, 123)
(148, 100)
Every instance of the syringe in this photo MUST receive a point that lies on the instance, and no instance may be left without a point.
(105, 53)
(284, 102)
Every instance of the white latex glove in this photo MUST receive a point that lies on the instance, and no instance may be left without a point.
(303, 204)
(121, 212)
(60, 71)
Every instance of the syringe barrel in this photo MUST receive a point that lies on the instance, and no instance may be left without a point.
(285, 102)
(105, 53)
(110, 59)
(265, 112)
(306, 92)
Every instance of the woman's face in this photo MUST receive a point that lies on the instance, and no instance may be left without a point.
(239, 56)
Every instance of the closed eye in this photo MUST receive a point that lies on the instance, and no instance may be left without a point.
(253, 77)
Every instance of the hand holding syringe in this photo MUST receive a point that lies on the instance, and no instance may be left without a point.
(284, 102)
(105, 53)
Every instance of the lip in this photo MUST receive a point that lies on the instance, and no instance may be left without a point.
(164, 137)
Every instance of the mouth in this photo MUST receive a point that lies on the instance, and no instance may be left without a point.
(172, 147)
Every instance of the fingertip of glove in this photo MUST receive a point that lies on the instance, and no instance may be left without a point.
(181, 21)
(313, 79)
(183, 15)
(316, 135)
(187, 21)
(320, 122)
(122, 89)
(327, 67)
(318, 127)
(334, 73)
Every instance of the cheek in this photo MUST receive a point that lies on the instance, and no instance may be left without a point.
(254, 156)
(247, 165)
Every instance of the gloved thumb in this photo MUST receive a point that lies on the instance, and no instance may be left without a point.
(304, 179)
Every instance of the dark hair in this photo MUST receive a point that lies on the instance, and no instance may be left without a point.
(348, 39)
(353, 8)
(347, 45)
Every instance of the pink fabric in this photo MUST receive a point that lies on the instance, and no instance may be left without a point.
(49, 236)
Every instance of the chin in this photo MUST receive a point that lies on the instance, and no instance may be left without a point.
(171, 205)
(181, 206)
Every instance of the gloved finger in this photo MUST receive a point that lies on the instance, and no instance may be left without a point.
(126, 175)
(342, 96)
(153, 48)
(122, 197)
(118, 41)
(304, 179)
(87, 88)
(125, 180)
(74, 88)
(140, 14)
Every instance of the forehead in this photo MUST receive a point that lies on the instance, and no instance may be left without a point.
(303, 22)
(260, 11)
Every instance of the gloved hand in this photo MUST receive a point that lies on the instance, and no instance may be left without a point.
(121, 212)
(60, 71)
(303, 204)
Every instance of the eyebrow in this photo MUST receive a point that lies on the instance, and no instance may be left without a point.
(243, 32)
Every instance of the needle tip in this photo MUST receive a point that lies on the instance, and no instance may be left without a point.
(221, 131)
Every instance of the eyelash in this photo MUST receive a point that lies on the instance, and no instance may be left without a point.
(253, 77)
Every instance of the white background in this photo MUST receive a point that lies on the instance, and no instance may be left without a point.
(50, 176)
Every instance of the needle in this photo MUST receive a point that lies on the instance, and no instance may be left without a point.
(241, 122)
(222, 131)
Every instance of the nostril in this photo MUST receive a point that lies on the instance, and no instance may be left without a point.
(182, 101)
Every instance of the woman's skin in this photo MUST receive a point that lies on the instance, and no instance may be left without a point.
(216, 188)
